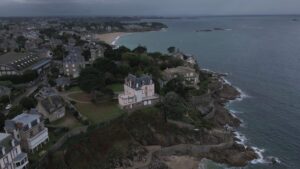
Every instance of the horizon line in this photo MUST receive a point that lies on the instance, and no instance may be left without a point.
(146, 16)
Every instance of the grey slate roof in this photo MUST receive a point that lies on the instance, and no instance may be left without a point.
(26, 118)
(74, 56)
(52, 103)
(22, 61)
(137, 82)
(63, 81)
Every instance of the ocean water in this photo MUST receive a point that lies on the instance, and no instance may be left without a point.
(261, 55)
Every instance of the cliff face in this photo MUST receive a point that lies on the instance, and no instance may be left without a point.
(128, 142)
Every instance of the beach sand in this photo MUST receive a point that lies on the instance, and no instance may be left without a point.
(110, 38)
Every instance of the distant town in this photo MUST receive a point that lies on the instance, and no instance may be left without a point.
(66, 95)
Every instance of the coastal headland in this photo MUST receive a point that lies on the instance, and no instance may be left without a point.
(151, 138)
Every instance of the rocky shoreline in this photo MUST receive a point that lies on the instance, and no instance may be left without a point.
(218, 144)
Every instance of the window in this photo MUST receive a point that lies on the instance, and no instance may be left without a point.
(35, 122)
(25, 128)
(40, 128)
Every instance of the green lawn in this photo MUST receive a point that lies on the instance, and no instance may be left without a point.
(98, 113)
(74, 89)
(69, 121)
(80, 96)
(117, 87)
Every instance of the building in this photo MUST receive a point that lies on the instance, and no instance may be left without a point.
(73, 63)
(190, 76)
(11, 155)
(52, 107)
(4, 91)
(17, 63)
(138, 91)
(50, 104)
(97, 51)
(63, 82)
(28, 128)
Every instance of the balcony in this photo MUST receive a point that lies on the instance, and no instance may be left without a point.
(39, 138)
(20, 161)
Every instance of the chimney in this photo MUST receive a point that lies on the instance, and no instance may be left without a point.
(13, 144)
(3, 150)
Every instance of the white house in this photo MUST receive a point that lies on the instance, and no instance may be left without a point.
(11, 155)
(29, 129)
(138, 91)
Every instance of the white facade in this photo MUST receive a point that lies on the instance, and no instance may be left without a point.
(11, 155)
(140, 93)
(29, 130)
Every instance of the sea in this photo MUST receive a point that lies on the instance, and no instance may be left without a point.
(261, 55)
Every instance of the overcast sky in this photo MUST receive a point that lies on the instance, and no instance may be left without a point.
(149, 7)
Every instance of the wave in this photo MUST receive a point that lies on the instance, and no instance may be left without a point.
(115, 40)
(260, 159)
(241, 139)
(243, 94)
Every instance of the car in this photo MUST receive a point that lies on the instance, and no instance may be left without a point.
(8, 107)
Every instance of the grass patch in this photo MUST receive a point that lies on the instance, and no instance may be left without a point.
(98, 113)
(74, 89)
(68, 121)
(80, 96)
(117, 87)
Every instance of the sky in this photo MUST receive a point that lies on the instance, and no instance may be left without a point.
(147, 7)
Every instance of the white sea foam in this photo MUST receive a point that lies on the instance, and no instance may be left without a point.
(115, 40)
(241, 139)
(260, 158)
(242, 96)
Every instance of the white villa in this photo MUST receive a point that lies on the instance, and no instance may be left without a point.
(11, 155)
(29, 129)
(138, 91)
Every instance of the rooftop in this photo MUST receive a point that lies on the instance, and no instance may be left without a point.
(25, 118)
(52, 103)
(20, 61)
(137, 82)
(3, 136)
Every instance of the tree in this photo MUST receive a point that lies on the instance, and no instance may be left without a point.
(54, 72)
(21, 40)
(105, 65)
(59, 52)
(14, 111)
(175, 85)
(28, 103)
(171, 49)
(90, 79)
(50, 32)
(174, 106)
(123, 49)
(140, 49)
(86, 54)
(2, 120)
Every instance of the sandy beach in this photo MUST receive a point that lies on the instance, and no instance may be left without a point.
(110, 38)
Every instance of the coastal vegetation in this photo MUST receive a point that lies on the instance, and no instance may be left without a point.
(192, 116)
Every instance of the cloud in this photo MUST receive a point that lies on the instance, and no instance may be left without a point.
(147, 7)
